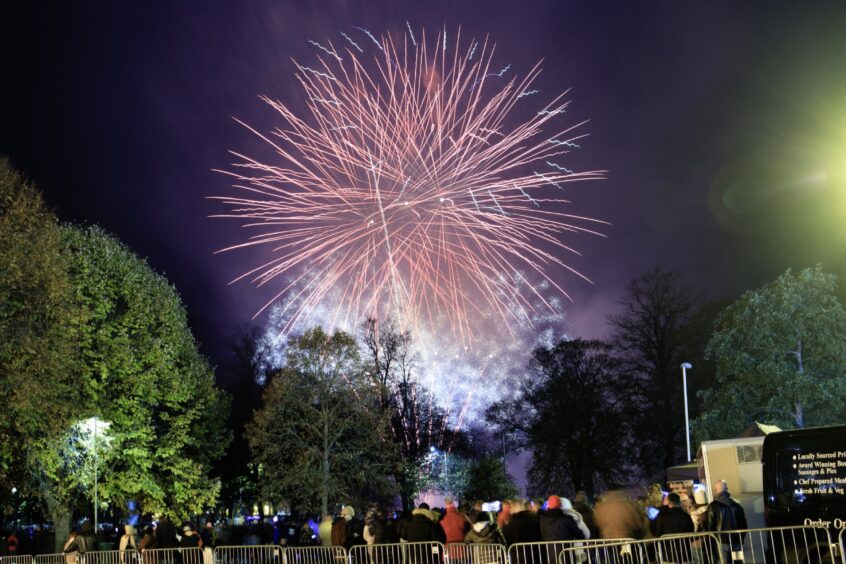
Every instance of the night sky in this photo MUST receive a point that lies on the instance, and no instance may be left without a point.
(722, 126)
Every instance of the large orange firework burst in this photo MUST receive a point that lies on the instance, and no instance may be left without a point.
(409, 189)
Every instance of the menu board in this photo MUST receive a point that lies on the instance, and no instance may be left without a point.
(817, 473)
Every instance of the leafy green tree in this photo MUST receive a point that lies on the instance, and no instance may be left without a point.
(488, 480)
(36, 314)
(318, 437)
(780, 352)
(137, 369)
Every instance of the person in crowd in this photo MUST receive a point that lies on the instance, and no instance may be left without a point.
(376, 529)
(422, 527)
(347, 531)
(454, 524)
(726, 514)
(166, 534)
(128, 545)
(504, 514)
(568, 509)
(617, 516)
(324, 530)
(484, 531)
(207, 536)
(556, 525)
(82, 542)
(474, 511)
(12, 544)
(581, 503)
(147, 544)
(673, 520)
(71, 555)
(522, 525)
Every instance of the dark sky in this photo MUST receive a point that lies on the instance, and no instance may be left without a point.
(722, 126)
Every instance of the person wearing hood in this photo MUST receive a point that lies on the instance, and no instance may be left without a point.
(422, 527)
(556, 525)
(454, 524)
(484, 531)
(568, 509)
(726, 514)
(128, 544)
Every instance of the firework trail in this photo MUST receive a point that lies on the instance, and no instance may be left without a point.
(407, 188)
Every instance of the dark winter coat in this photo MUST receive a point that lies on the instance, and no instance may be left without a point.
(522, 527)
(422, 529)
(555, 525)
(484, 533)
(673, 521)
(725, 514)
(347, 533)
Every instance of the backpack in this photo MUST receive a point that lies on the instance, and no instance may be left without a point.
(81, 544)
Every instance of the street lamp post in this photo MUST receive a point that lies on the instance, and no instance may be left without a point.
(685, 367)
(95, 476)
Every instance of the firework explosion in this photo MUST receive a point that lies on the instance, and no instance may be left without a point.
(408, 191)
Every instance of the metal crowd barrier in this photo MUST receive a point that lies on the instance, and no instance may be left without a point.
(169, 556)
(548, 552)
(789, 545)
(109, 557)
(315, 555)
(56, 559)
(18, 559)
(476, 553)
(249, 554)
(398, 553)
(694, 548)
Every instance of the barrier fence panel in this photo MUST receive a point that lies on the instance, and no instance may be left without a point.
(784, 545)
(548, 552)
(171, 556)
(255, 554)
(109, 557)
(459, 553)
(696, 548)
(399, 553)
(56, 559)
(19, 559)
(315, 555)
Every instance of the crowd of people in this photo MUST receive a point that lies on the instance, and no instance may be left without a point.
(556, 518)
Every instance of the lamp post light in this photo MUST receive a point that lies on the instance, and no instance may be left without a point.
(685, 366)
(95, 476)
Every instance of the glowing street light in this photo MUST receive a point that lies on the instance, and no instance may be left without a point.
(89, 431)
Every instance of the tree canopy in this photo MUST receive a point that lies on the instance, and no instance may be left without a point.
(319, 439)
(36, 314)
(780, 352)
(659, 327)
(570, 414)
(137, 369)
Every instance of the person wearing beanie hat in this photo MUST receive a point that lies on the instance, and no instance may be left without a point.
(347, 531)
(556, 525)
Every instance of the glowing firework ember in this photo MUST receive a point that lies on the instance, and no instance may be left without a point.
(407, 190)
